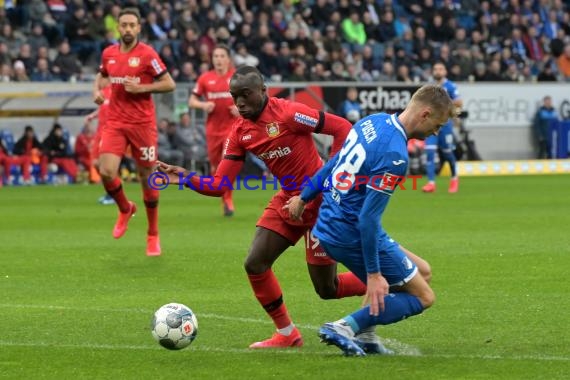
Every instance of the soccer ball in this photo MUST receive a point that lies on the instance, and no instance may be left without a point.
(174, 326)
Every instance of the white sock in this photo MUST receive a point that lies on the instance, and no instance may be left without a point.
(286, 330)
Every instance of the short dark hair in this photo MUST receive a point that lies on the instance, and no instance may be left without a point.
(223, 47)
(130, 11)
(249, 70)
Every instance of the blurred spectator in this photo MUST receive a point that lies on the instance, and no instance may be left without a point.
(547, 74)
(387, 74)
(403, 74)
(57, 151)
(532, 30)
(268, 59)
(66, 64)
(387, 28)
(28, 145)
(77, 32)
(37, 39)
(353, 29)
(7, 159)
(190, 138)
(350, 108)
(152, 30)
(544, 115)
(242, 57)
(167, 151)
(20, 74)
(6, 73)
(25, 56)
(111, 21)
(187, 74)
(564, 63)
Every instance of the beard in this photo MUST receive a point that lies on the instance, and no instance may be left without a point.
(127, 39)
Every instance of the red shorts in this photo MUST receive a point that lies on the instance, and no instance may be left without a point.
(215, 145)
(142, 139)
(276, 219)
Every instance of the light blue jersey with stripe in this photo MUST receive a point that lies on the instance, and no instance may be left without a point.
(362, 178)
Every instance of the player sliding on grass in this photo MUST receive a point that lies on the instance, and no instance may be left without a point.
(135, 71)
(348, 226)
(279, 132)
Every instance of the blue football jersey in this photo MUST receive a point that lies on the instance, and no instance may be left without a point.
(451, 89)
(374, 158)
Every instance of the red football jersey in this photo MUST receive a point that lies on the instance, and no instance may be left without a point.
(216, 88)
(142, 63)
(282, 138)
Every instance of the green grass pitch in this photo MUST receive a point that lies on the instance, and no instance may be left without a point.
(75, 303)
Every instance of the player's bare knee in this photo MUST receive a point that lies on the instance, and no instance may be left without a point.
(253, 265)
(427, 297)
(326, 291)
(107, 173)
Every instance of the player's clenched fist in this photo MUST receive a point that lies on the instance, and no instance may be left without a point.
(132, 86)
(98, 97)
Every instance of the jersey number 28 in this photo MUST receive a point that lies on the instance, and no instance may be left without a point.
(350, 159)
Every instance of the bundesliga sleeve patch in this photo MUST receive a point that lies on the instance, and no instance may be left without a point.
(301, 118)
(156, 66)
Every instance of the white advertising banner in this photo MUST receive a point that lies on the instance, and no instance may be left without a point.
(510, 105)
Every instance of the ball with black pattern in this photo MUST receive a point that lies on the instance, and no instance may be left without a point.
(174, 326)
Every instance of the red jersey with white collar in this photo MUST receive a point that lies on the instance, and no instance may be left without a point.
(142, 63)
(282, 137)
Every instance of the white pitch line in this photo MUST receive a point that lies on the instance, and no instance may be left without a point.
(195, 347)
(401, 349)
(149, 311)
(198, 347)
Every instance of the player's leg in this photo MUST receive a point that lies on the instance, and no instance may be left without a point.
(150, 197)
(267, 246)
(215, 154)
(144, 142)
(423, 266)
(113, 144)
(398, 271)
(445, 142)
(323, 272)
(430, 149)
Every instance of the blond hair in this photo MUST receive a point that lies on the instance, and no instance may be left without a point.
(434, 96)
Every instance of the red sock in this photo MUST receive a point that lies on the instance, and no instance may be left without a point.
(150, 197)
(268, 292)
(115, 189)
(227, 199)
(349, 285)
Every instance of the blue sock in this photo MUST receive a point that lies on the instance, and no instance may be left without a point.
(430, 164)
(397, 306)
(450, 157)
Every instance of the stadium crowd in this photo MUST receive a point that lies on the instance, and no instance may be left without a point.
(302, 40)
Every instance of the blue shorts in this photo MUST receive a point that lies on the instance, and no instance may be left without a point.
(443, 140)
(395, 266)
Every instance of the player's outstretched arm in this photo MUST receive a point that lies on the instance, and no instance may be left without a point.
(163, 83)
(195, 102)
(217, 185)
(338, 128)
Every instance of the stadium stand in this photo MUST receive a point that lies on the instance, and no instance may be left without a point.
(528, 40)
